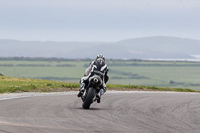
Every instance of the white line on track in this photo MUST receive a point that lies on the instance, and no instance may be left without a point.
(7, 96)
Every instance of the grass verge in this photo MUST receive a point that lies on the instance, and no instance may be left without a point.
(15, 85)
(11, 84)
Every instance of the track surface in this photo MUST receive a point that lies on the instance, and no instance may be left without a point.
(127, 112)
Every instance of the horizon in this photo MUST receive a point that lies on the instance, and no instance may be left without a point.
(26, 58)
(138, 48)
(100, 41)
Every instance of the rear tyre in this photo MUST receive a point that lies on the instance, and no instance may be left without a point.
(89, 98)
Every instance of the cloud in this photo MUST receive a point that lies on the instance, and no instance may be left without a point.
(102, 4)
(93, 19)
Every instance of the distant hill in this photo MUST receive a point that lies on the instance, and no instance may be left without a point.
(147, 47)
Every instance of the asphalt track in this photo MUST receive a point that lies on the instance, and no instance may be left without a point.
(125, 112)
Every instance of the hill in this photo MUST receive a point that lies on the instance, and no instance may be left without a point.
(147, 47)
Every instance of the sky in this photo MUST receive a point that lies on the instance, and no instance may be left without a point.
(98, 20)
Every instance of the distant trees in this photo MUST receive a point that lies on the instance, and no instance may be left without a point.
(51, 59)
(36, 65)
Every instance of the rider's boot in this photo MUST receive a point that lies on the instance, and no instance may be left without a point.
(98, 96)
(81, 90)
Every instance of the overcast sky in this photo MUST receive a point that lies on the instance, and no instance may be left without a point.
(98, 20)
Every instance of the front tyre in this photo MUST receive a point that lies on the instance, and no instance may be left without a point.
(89, 98)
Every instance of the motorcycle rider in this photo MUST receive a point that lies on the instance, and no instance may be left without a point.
(85, 80)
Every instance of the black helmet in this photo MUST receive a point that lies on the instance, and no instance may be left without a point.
(100, 56)
(99, 64)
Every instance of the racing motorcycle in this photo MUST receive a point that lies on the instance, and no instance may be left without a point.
(93, 87)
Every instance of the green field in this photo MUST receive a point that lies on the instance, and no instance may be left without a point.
(128, 72)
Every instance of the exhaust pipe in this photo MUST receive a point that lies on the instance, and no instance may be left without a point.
(96, 80)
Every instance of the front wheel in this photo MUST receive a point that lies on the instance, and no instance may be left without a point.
(89, 98)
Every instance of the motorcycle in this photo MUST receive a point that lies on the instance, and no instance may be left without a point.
(93, 87)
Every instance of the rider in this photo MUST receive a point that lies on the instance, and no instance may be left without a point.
(84, 80)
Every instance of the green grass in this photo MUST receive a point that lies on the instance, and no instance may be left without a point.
(15, 85)
(146, 88)
(12, 84)
(159, 74)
